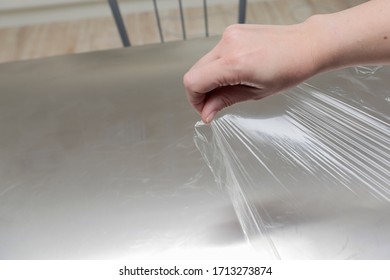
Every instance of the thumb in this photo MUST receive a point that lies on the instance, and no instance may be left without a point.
(225, 96)
(202, 79)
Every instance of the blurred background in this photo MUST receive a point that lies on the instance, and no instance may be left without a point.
(42, 28)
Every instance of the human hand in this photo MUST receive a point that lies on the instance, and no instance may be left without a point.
(251, 62)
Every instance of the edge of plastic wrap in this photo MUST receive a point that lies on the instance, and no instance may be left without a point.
(308, 171)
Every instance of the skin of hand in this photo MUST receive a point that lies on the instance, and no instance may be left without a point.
(251, 62)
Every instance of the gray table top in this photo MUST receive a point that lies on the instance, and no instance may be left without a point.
(97, 160)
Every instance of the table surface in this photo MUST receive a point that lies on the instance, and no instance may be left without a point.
(97, 160)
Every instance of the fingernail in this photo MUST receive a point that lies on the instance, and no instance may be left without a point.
(210, 117)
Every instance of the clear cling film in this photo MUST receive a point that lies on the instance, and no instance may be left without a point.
(308, 171)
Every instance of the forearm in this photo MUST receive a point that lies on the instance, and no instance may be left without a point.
(360, 35)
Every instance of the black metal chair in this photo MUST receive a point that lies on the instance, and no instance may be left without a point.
(122, 28)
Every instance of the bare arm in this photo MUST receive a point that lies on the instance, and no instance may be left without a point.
(254, 61)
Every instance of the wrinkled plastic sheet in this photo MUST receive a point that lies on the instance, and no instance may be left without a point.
(308, 171)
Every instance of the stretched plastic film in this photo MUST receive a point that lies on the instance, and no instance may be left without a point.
(308, 171)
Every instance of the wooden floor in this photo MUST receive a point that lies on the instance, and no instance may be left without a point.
(57, 38)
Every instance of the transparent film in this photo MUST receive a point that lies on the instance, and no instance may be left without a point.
(308, 171)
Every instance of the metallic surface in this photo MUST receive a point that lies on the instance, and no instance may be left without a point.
(97, 160)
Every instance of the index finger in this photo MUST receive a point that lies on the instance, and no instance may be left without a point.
(205, 78)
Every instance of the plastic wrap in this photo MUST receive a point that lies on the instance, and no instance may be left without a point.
(308, 171)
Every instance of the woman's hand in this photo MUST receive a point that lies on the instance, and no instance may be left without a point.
(251, 62)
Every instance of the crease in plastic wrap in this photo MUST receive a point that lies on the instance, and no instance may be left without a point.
(308, 171)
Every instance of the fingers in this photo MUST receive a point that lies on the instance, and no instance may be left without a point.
(213, 86)
(226, 96)
(204, 78)
(194, 80)
(207, 58)
(212, 83)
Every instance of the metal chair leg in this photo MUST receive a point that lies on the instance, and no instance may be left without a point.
(206, 18)
(242, 11)
(119, 22)
(156, 13)
(183, 27)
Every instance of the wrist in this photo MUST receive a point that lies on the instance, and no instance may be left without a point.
(325, 45)
(358, 35)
